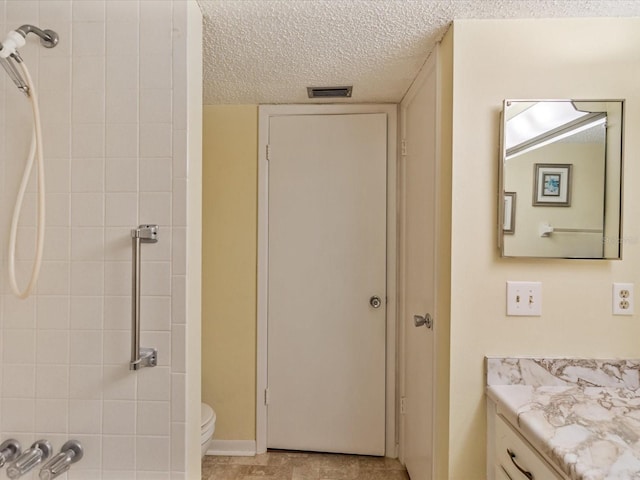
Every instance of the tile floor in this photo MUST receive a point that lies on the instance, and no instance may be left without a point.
(285, 465)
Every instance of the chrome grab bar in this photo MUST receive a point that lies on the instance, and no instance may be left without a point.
(140, 356)
(545, 230)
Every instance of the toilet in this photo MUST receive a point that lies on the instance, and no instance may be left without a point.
(208, 425)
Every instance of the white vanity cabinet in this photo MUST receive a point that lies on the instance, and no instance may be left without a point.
(510, 456)
(527, 440)
(501, 473)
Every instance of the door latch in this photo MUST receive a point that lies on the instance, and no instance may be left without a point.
(375, 302)
(427, 321)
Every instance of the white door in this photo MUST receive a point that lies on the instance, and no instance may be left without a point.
(327, 258)
(418, 267)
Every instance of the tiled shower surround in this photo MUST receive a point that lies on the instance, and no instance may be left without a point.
(114, 109)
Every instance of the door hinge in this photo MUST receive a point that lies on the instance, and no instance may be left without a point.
(403, 405)
(266, 396)
(403, 147)
(268, 152)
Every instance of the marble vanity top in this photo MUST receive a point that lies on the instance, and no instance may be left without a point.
(583, 414)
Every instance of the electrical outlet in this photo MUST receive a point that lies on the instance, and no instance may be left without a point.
(524, 299)
(623, 299)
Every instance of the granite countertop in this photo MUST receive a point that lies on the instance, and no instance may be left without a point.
(583, 414)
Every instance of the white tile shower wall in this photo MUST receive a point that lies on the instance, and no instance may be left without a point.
(113, 104)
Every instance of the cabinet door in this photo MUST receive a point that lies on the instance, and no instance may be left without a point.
(501, 473)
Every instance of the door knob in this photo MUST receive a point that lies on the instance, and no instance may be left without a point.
(419, 321)
(375, 302)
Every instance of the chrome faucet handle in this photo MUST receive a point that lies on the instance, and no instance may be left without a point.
(39, 451)
(71, 452)
(9, 450)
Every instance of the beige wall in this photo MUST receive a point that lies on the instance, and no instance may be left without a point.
(494, 60)
(229, 268)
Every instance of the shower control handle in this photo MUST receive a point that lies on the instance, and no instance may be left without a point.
(39, 451)
(9, 451)
(70, 453)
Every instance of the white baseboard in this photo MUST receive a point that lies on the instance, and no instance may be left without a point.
(233, 448)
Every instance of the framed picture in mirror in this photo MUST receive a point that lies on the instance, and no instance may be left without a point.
(552, 185)
(509, 226)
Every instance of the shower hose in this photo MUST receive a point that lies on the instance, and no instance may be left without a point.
(35, 152)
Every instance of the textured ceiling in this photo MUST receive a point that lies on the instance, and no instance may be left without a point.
(269, 51)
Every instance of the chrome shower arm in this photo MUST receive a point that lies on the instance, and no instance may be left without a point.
(48, 38)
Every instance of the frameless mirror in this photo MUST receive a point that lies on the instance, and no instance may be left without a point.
(560, 179)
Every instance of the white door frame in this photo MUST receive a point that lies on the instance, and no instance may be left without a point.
(429, 68)
(265, 112)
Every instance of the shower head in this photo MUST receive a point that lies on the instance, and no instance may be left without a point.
(15, 75)
(11, 43)
(16, 39)
(9, 54)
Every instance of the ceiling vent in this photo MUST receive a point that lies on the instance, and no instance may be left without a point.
(329, 92)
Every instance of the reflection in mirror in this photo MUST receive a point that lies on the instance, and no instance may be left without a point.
(562, 159)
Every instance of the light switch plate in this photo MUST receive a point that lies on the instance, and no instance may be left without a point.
(524, 299)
